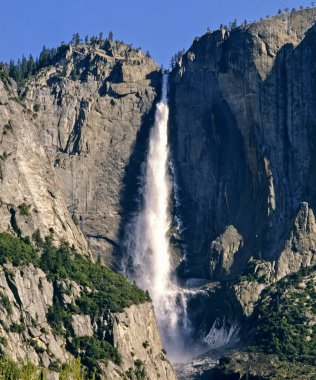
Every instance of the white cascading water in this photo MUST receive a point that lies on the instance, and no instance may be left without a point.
(148, 242)
(149, 250)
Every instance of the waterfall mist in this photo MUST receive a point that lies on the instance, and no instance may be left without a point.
(148, 242)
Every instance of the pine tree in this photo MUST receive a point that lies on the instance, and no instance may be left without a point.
(31, 65)
(110, 37)
(12, 70)
(43, 58)
(86, 40)
(100, 36)
(24, 68)
(77, 39)
(172, 62)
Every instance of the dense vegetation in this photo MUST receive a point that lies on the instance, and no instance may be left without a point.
(102, 291)
(10, 370)
(112, 291)
(16, 251)
(27, 67)
(281, 332)
(285, 320)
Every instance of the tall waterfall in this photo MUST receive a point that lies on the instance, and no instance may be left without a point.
(148, 241)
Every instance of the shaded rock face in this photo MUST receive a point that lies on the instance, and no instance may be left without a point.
(30, 197)
(242, 131)
(223, 250)
(94, 111)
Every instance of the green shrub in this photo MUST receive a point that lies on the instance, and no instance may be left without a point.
(24, 209)
(3, 341)
(58, 317)
(112, 291)
(91, 350)
(39, 242)
(6, 302)
(281, 321)
(10, 370)
(16, 251)
(17, 328)
(36, 107)
(74, 370)
(8, 126)
(35, 345)
(75, 219)
(140, 370)
(54, 366)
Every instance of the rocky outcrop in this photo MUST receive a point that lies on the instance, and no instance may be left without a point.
(242, 131)
(94, 112)
(222, 254)
(30, 196)
(140, 352)
(26, 296)
(300, 248)
(246, 291)
(258, 366)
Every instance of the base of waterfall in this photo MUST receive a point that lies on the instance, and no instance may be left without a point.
(202, 366)
(204, 344)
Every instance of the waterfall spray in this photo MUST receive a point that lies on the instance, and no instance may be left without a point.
(148, 241)
(149, 254)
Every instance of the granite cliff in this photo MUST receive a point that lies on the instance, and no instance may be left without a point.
(93, 113)
(70, 137)
(242, 136)
(73, 141)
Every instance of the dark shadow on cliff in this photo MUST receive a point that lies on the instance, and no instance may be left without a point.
(131, 190)
(235, 195)
(293, 84)
(228, 184)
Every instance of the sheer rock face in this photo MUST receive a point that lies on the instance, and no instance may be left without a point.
(27, 177)
(242, 131)
(131, 344)
(94, 112)
(29, 295)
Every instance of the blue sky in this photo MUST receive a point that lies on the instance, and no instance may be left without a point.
(162, 27)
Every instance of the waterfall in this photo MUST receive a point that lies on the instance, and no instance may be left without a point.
(148, 241)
